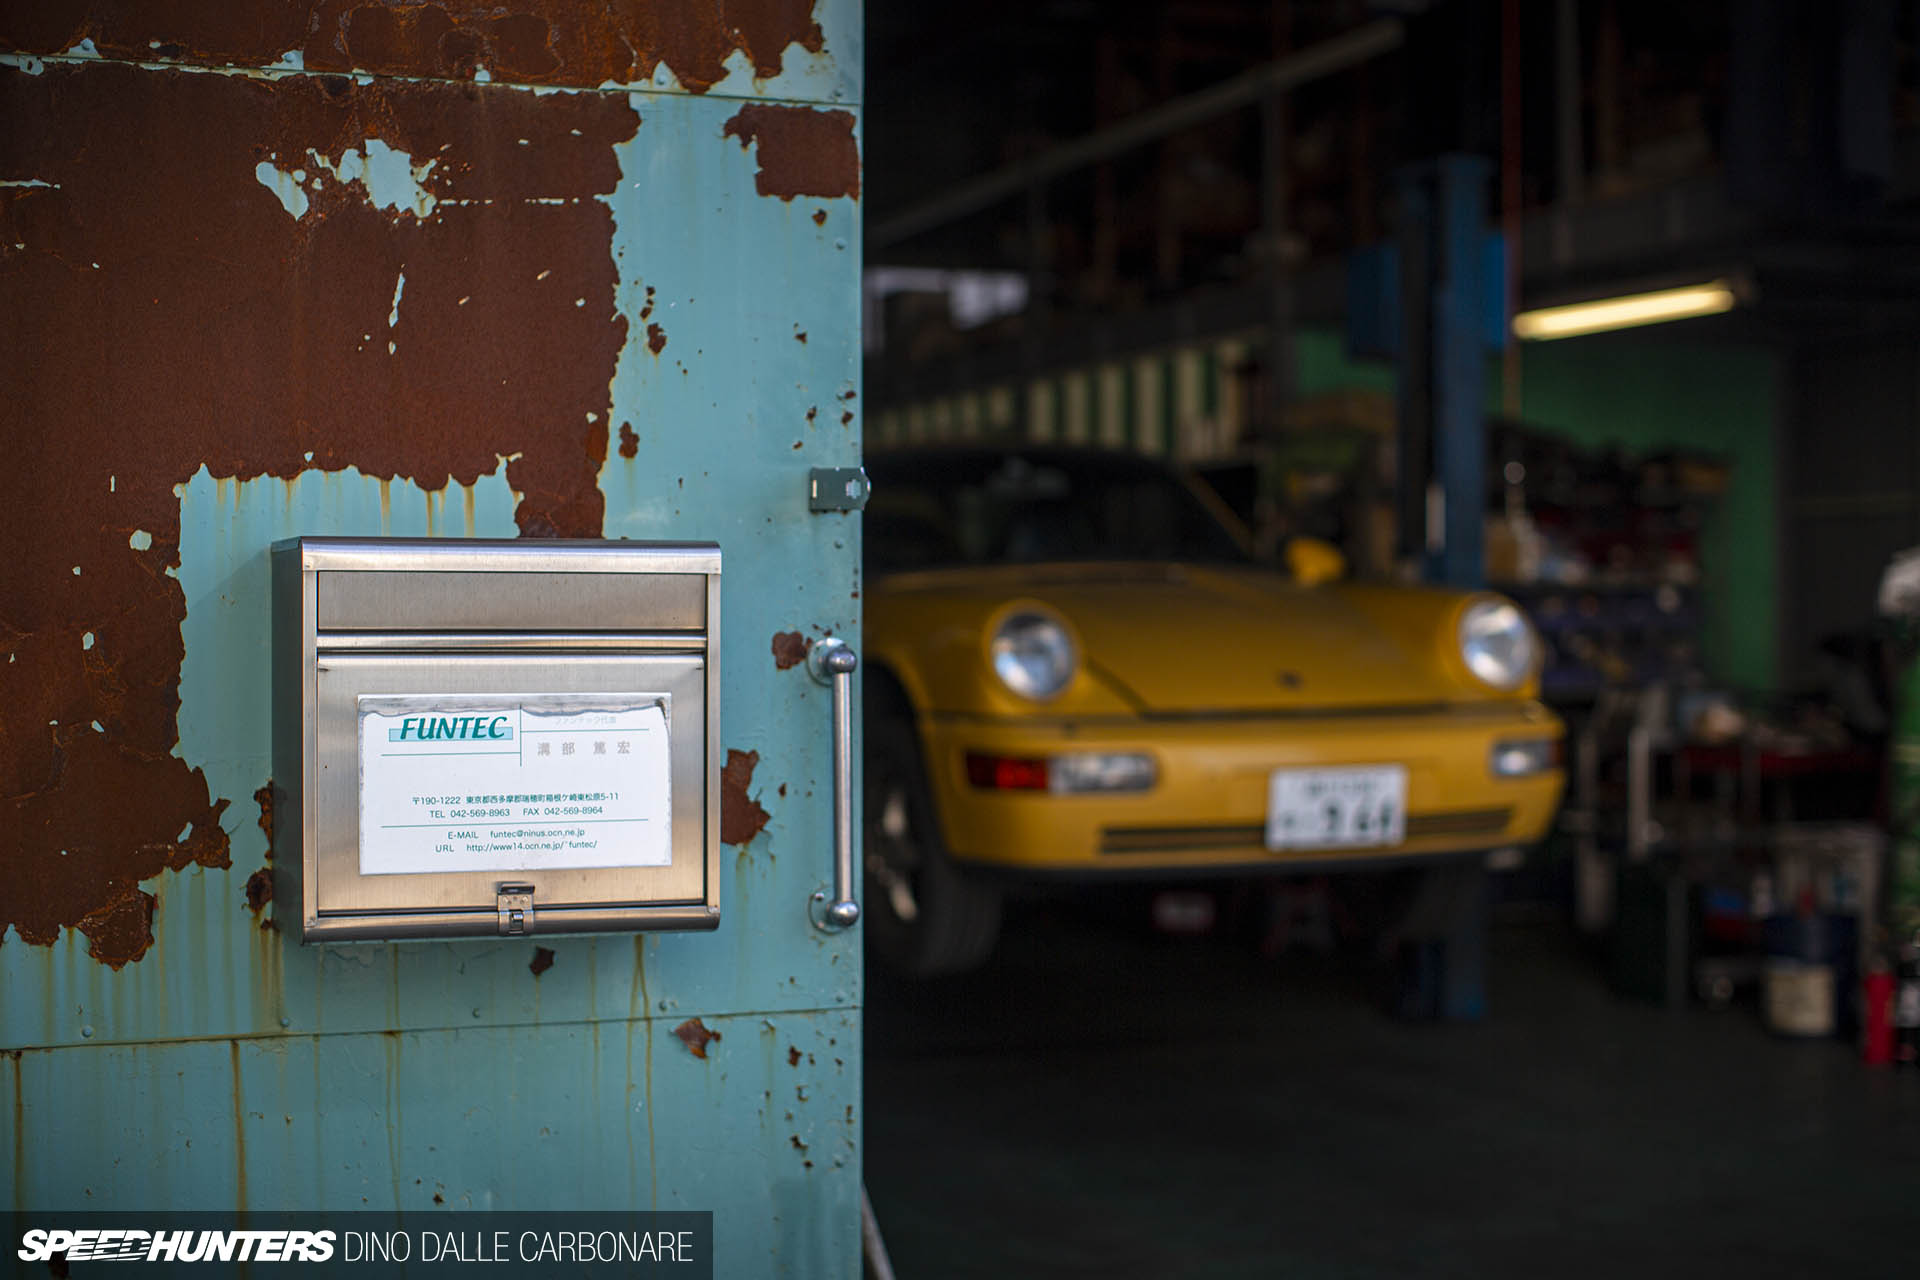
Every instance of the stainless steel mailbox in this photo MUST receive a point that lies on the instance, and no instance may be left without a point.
(476, 738)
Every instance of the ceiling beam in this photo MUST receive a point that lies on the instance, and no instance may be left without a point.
(1317, 62)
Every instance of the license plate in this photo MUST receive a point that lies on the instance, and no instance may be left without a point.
(1358, 808)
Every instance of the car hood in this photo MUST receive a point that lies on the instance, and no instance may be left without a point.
(1188, 638)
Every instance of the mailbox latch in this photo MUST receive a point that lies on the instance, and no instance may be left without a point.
(515, 904)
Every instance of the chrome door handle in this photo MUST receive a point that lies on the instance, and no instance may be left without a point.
(832, 661)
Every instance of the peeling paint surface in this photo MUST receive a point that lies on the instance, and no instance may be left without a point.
(694, 1034)
(787, 48)
(741, 817)
(802, 151)
(170, 303)
(259, 890)
(288, 188)
(388, 178)
(434, 344)
(789, 649)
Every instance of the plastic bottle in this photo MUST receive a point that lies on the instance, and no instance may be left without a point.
(1876, 1024)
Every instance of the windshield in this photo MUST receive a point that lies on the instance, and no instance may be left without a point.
(964, 508)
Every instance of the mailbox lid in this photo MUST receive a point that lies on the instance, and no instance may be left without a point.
(455, 585)
(504, 600)
(351, 684)
(524, 555)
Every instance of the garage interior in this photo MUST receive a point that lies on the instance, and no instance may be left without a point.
(1315, 252)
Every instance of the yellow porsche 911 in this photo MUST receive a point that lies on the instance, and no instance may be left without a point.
(1075, 669)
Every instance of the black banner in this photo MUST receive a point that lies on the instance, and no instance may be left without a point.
(677, 1245)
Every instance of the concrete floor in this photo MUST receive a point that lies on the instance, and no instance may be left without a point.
(1103, 1101)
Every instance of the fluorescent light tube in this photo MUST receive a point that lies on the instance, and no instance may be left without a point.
(1625, 312)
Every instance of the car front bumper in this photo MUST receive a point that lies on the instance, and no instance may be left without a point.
(1208, 807)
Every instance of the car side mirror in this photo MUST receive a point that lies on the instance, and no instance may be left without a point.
(1313, 561)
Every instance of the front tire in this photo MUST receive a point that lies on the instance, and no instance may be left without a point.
(926, 917)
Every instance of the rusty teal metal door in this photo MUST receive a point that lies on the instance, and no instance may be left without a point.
(528, 269)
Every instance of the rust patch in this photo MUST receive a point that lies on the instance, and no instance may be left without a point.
(121, 931)
(846, 417)
(629, 441)
(264, 798)
(87, 814)
(813, 411)
(694, 1034)
(541, 962)
(741, 817)
(259, 890)
(577, 43)
(793, 1056)
(789, 649)
(802, 151)
(656, 339)
(819, 217)
(800, 336)
(646, 311)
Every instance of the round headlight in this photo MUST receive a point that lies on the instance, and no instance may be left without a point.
(1497, 643)
(1033, 655)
